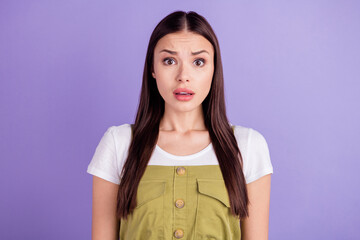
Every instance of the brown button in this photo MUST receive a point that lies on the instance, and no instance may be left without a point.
(179, 203)
(179, 233)
(180, 171)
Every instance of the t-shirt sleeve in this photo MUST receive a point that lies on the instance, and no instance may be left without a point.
(104, 161)
(258, 161)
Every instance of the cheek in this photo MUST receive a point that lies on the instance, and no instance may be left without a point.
(206, 84)
(163, 86)
(207, 79)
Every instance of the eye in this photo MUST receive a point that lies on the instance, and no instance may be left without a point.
(201, 60)
(166, 60)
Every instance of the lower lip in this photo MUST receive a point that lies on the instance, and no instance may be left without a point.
(183, 97)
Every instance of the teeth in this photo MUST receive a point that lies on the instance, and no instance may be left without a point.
(183, 93)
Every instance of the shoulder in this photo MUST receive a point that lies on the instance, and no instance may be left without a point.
(254, 151)
(248, 136)
(121, 132)
(242, 134)
(111, 153)
(121, 137)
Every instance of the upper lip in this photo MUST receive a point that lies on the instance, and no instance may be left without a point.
(178, 90)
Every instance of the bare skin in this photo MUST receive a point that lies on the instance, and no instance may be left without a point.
(105, 225)
(256, 226)
(182, 130)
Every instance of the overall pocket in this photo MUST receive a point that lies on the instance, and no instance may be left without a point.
(213, 211)
(147, 219)
(149, 190)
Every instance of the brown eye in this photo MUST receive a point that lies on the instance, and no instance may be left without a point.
(199, 62)
(167, 60)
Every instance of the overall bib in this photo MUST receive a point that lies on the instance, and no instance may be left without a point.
(181, 202)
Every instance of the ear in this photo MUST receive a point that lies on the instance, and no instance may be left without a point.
(153, 74)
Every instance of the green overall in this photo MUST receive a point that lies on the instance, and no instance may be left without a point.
(181, 202)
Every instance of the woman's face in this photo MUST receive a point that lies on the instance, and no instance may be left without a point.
(183, 60)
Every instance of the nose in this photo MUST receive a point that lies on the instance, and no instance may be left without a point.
(184, 73)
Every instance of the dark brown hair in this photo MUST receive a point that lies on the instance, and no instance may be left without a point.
(151, 107)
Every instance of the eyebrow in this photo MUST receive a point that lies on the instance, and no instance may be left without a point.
(175, 53)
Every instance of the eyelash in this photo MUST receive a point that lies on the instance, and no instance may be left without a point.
(202, 59)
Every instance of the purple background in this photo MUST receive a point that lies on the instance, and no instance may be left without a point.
(71, 69)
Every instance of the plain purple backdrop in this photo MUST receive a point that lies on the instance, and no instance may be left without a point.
(70, 69)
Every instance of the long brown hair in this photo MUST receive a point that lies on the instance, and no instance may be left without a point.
(151, 107)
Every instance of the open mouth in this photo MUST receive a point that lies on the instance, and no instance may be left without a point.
(184, 93)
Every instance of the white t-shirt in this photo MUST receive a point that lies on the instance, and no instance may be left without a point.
(112, 151)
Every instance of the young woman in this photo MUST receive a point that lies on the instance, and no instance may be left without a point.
(178, 172)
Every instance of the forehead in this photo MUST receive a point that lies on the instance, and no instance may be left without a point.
(184, 41)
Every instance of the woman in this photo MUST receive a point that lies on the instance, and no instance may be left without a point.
(178, 171)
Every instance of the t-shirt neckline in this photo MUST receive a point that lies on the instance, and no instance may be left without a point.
(185, 157)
